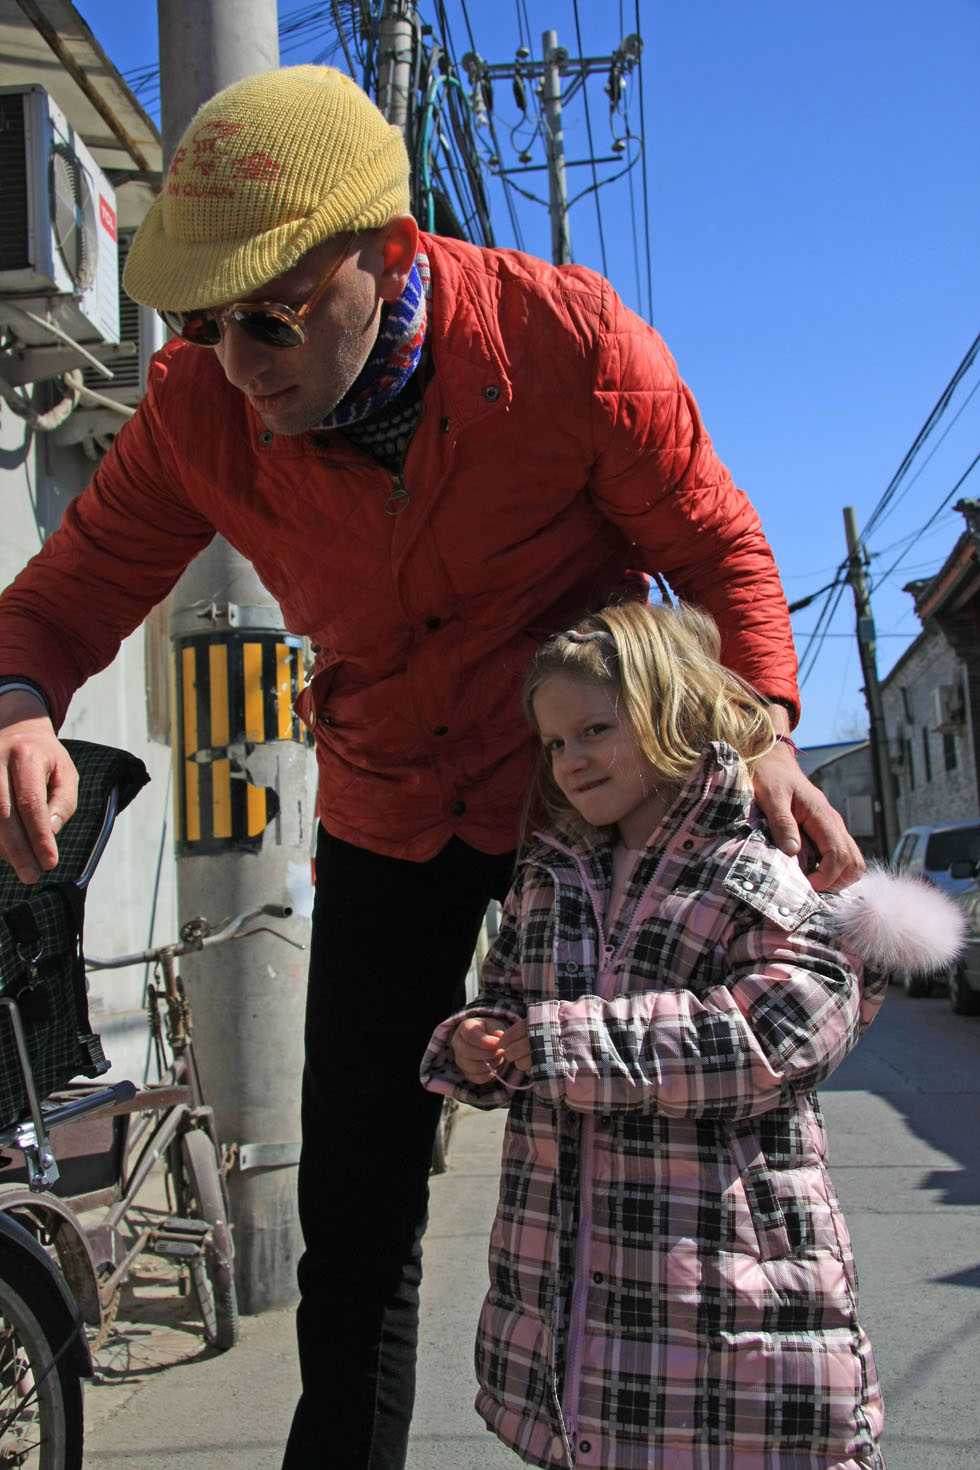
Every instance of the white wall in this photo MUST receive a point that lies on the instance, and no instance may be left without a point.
(37, 480)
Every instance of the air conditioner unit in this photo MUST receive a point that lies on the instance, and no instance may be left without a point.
(141, 331)
(57, 227)
(947, 708)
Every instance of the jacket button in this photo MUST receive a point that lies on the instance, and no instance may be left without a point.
(444, 425)
(266, 436)
(598, 1278)
(687, 845)
(325, 720)
(433, 623)
(441, 730)
(458, 808)
(585, 1445)
(492, 393)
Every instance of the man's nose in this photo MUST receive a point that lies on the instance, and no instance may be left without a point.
(244, 360)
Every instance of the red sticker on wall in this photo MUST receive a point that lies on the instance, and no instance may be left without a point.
(108, 217)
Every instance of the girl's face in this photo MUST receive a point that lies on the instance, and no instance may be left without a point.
(595, 759)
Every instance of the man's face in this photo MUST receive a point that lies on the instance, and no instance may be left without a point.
(293, 389)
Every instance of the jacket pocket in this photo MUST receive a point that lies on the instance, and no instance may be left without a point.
(310, 702)
(766, 1212)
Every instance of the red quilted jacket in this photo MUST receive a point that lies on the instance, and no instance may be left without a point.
(557, 448)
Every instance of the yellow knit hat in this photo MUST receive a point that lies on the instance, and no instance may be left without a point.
(266, 170)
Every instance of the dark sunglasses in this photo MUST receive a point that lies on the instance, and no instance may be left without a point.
(269, 322)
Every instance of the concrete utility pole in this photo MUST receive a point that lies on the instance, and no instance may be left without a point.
(554, 58)
(243, 778)
(396, 44)
(886, 814)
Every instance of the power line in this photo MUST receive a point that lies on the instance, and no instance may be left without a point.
(646, 182)
(933, 451)
(588, 128)
(940, 407)
(939, 509)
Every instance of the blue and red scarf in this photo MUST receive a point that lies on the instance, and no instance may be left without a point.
(395, 355)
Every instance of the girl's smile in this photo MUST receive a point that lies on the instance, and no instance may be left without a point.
(595, 759)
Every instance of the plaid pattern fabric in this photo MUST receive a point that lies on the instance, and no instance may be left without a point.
(671, 1278)
(50, 992)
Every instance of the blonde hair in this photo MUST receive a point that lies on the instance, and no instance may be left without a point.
(662, 666)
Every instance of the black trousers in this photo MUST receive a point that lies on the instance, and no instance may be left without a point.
(391, 944)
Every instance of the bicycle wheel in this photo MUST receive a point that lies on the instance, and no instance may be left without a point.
(40, 1399)
(200, 1196)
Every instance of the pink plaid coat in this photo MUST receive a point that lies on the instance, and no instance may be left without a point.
(671, 1278)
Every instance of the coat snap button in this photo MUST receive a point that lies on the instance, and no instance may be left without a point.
(458, 808)
(492, 393)
(266, 436)
(433, 623)
(441, 730)
(687, 845)
(748, 885)
(585, 1445)
(782, 909)
(598, 1277)
(325, 720)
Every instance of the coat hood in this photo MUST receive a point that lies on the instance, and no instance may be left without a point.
(896, 922)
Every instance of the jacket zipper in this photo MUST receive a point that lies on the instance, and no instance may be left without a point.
(571, 1387)
(398, 497)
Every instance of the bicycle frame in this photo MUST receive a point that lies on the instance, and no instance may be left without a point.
(93, 1257)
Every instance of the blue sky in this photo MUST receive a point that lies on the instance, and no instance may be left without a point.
(815, 218)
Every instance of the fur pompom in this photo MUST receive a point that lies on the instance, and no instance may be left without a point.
(894, 922)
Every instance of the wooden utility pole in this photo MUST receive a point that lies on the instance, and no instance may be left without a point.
(886, 814)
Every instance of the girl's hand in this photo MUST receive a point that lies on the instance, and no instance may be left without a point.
(516, 1047)
(476, 1048)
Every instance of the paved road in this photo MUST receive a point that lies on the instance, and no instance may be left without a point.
(904, 1122)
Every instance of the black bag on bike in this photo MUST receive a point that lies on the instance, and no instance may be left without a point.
(41, 965)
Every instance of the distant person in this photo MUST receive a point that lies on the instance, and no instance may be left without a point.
(671, 1280)
(434, 455)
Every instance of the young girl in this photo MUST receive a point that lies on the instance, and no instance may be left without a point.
(671, 1279)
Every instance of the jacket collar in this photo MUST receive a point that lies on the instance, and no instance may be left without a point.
(464, 343)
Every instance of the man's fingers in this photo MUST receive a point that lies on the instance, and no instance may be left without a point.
(783, 829)
(62, 793)
(840, 857)
(29, 794)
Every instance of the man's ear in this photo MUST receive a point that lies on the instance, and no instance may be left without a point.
(399, 244)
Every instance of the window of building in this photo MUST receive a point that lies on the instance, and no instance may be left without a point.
(926, 754)
(910, 764)
(950, 755)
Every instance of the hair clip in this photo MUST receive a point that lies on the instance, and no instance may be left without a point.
(598, 635)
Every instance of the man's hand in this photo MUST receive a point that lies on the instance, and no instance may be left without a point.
(794, 806)
(38, 786)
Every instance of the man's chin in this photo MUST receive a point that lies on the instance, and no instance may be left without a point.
(290, 416)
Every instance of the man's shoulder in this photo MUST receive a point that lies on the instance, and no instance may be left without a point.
(508, 276)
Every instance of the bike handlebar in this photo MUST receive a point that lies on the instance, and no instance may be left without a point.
(195, 935)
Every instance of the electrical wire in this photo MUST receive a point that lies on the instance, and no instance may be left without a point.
(940, 407)
(588, 129)
(646, 180)
(935, 515)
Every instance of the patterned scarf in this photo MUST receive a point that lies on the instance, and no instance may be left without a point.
(395, 355)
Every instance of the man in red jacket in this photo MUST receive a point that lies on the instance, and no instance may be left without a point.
(434, 455)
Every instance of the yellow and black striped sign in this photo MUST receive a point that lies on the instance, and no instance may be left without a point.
(233, 690)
